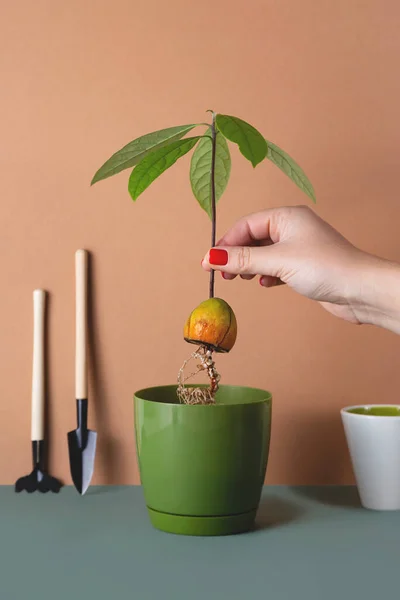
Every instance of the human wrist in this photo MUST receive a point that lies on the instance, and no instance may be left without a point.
(376, 297)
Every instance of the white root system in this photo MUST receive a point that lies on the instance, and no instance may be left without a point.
(199, 395)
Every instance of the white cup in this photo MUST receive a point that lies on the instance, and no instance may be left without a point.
(373, 437)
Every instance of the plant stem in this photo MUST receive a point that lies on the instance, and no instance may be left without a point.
(213, 201)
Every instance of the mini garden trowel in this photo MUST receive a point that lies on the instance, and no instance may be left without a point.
(81, 441)
(38, 480)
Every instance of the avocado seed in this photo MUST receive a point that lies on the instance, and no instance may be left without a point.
(212, 324)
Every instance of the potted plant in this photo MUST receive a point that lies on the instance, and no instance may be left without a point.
(202, 450)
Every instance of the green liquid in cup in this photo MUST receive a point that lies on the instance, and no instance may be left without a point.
(377, 411)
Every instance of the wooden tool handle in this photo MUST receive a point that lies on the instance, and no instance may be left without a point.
(81, 264)
(38, 384)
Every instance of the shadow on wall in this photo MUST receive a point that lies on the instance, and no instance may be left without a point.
(316, 452)
(48, 420)
(109, 451)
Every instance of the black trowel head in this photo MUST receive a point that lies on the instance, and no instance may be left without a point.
(82, 452)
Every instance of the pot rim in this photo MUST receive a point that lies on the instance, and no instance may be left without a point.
(267, 396)
(346, 410)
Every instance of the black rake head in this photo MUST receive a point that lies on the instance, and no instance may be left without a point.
(38, 481)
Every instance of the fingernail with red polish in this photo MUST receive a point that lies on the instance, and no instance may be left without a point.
(218, 257)
(261, 280)
(222, 274)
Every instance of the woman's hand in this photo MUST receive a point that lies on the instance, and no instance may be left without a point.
(296, 247)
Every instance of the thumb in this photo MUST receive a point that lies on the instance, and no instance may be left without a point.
(245, 260)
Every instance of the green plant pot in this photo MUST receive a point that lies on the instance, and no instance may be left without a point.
(202, 467)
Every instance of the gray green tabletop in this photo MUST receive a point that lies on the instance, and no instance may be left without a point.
(311, 543)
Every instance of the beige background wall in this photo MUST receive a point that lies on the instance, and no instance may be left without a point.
(79, 79)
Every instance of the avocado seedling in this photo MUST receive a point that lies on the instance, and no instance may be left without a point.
(212, 325)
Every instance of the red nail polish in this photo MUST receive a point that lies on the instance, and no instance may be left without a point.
(222, 274)
(218, 257)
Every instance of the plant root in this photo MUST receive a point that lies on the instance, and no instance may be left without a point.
(199, 395)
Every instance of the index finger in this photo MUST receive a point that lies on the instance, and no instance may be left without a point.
(252, 229)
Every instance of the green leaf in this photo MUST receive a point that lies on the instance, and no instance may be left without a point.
(282, 160)
(200, 170)
(250, 141)
(131, 154)
(153, 165)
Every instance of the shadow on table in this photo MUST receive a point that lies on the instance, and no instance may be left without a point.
(103, 489)
(332, 495)
(277, 512)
